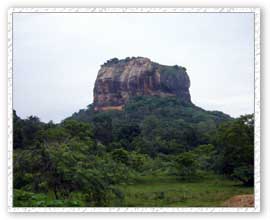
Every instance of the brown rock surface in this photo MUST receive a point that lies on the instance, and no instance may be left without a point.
(118, 80)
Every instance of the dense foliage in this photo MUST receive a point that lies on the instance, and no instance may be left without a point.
(87, 159)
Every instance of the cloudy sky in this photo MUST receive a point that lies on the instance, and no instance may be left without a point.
(57, 57)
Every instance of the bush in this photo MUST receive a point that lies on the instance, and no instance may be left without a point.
(187, 166)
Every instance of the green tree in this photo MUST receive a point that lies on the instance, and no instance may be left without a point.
(235, 155)
(17, 131)
(82, 130)
(205, 156)
(187, 166)
(121, 155)
(103, 128)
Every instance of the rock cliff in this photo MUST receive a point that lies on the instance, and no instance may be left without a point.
(119, 80)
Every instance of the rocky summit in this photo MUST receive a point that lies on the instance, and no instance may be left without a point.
(119, 80)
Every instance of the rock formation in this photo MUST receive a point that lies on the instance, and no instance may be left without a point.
(119, 80)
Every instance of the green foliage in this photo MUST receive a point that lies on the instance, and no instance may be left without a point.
(193, 164)
(187, 166)
(153, 125)
(54, 134)
(81, 130)
(66, 160)
(103, 128)
(235, 144)
(205, 156)
(17, 131)
(139, 162)
(121, 155)
(26, 131)
(91, 158)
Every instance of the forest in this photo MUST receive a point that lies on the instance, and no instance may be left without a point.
(156, 152)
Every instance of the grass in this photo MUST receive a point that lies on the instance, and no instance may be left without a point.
(167, 191)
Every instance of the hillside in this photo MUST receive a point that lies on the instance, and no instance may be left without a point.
(186, 125)
(133, 92)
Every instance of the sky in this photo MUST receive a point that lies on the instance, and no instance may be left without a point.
(56, 57)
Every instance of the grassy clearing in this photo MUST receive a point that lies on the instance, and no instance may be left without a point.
(166, 191)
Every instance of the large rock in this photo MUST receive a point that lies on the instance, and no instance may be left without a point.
(118, 80)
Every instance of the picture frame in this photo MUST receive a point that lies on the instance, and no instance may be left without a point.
(254, 11)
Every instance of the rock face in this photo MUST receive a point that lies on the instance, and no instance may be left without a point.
(119, 80)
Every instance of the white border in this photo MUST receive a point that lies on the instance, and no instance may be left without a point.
(256, 12)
